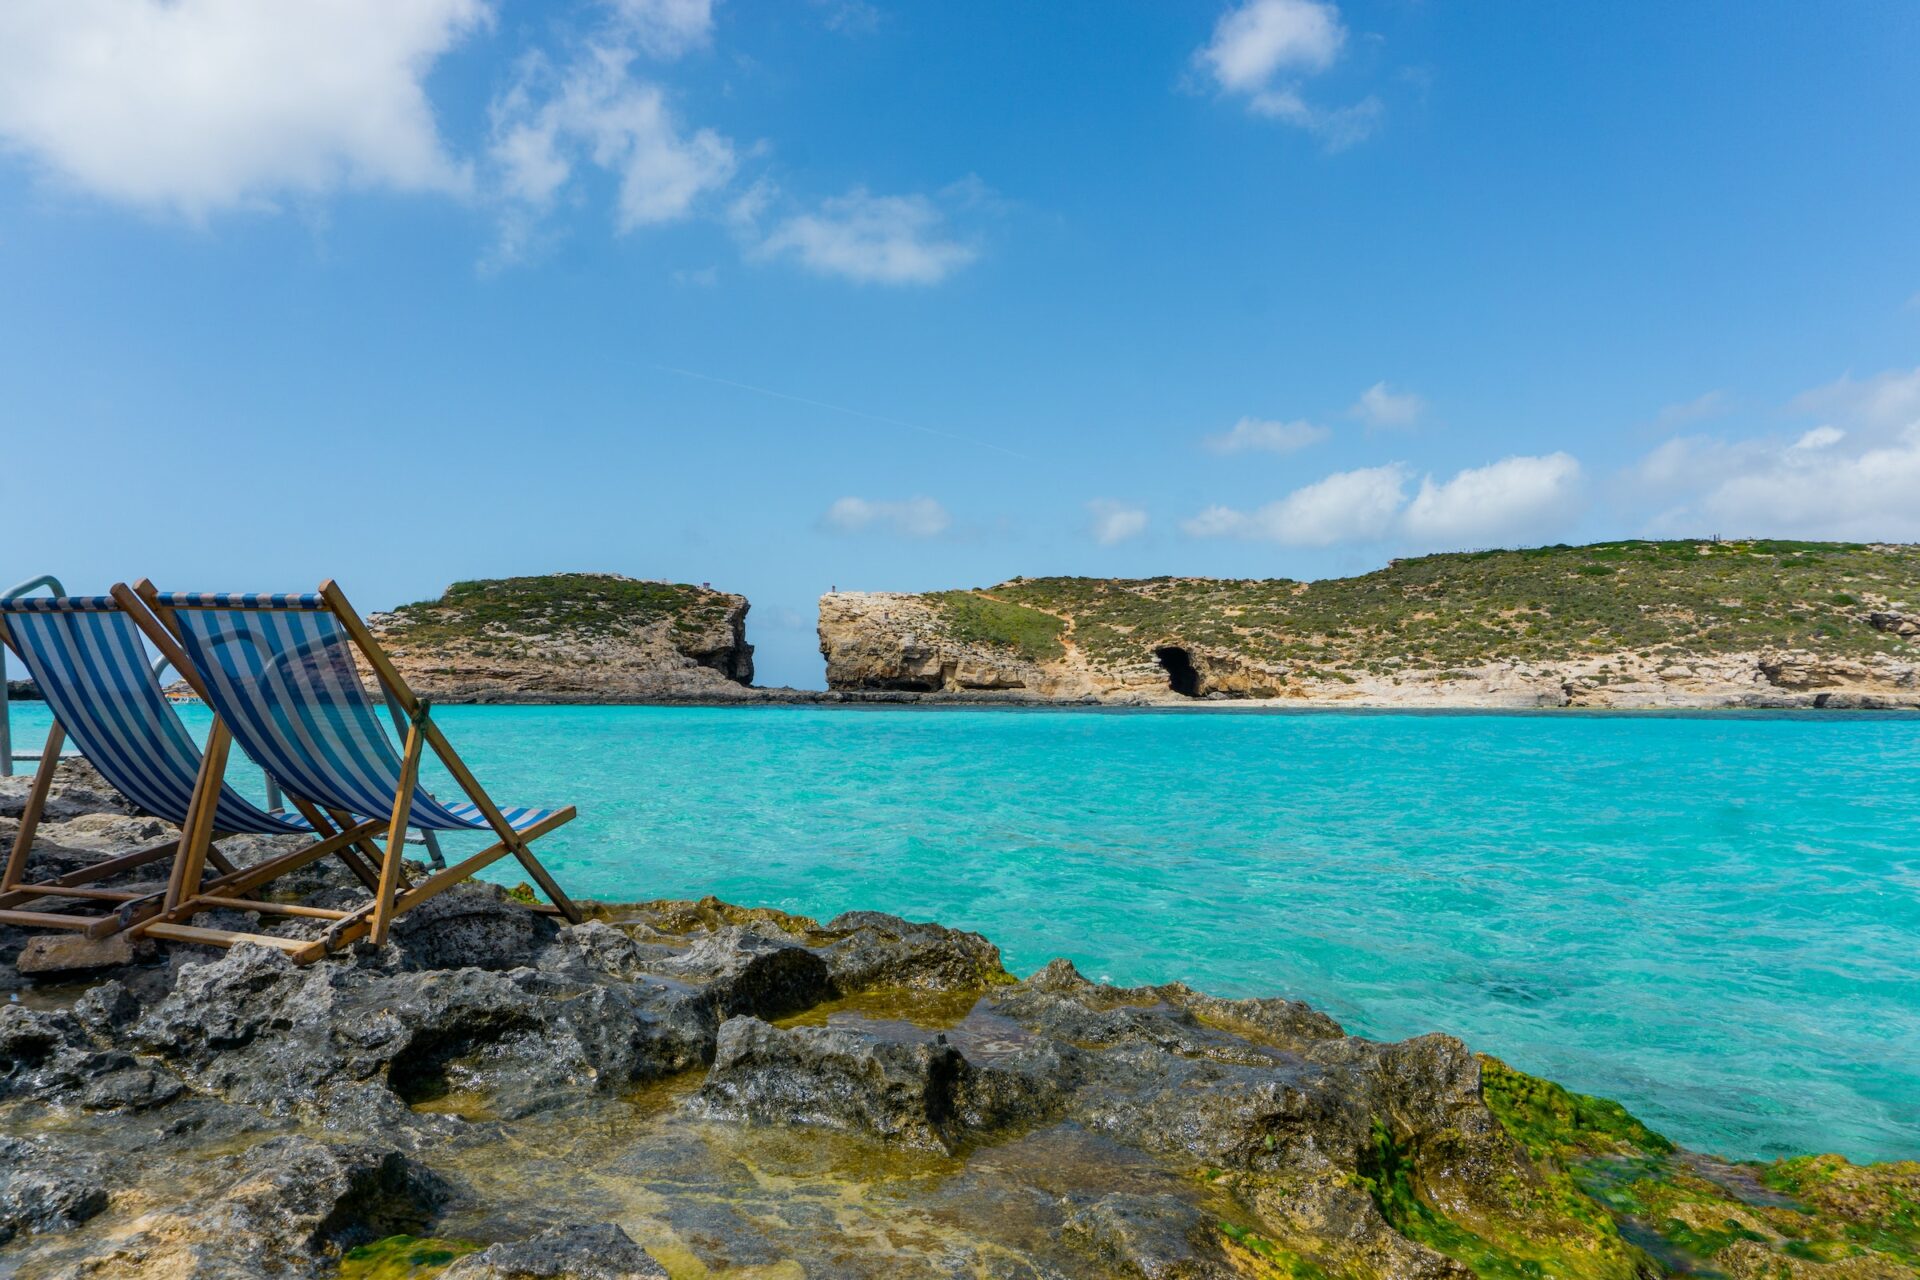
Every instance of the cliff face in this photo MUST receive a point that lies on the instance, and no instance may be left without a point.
(571, 637)
(1636, 624)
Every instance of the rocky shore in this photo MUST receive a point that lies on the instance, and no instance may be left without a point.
(694, 1089)
(573, 637)
(1631, 625)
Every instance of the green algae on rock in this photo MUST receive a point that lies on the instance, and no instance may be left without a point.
(1798, 1219)
(403, 1258)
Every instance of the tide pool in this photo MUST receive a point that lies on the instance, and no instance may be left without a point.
(1714, 919)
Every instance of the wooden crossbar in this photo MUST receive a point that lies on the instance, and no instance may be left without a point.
(301, 950)
(81, 891)
(274, 908)
(49, 920)
(94, 871)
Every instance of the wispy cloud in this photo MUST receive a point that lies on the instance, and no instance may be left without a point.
(1262, 50)
(201, 106)
(917, 517)
(598, 112)
(1115, 522)
(867, 238)
(1710, 404)
(666, 28)
(1266, 436)
(1853, 474)
(1381, 406)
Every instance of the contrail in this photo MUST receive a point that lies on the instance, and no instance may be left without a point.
(840, 408)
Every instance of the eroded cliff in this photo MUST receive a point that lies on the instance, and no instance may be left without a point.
(1626, 624)
(571, 637)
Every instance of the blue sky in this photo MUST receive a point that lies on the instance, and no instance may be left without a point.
(829, 293)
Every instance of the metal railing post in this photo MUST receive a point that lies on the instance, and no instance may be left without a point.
(6, 701)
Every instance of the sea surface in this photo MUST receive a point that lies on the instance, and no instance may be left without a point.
(1713, 918)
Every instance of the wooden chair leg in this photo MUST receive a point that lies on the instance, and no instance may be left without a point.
(197, 834)
(36, 806)
(397, 833)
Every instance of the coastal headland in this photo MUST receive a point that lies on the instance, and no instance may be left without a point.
(697, 1089)
(1625, 625)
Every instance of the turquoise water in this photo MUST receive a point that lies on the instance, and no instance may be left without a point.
(1715, 919)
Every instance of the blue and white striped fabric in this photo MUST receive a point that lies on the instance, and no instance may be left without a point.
(87, 657)
(283, 678)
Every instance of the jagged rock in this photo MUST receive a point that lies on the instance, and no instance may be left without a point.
(902, 1092)
(1328, 1214)
(881, 950)
(44, 1188)
(472, 924)
(294, 1206)
(118, 1082)
(600, 1252)
(1153, 1237)
(252, 1028)
(324, 1196)
(919, 1093)
(745, 972)
(43, 1053)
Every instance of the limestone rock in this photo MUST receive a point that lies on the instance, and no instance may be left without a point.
(74, 954)
(599, 1252)
(582, 637)
(44, 1188)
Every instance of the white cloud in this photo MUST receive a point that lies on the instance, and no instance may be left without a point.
(666, 28)
(197, 106)
(1267, 436)
(912, 518)
(1115, 522)
(1507, 499)
(1854, 476)
(1348, 506)
(1381, 406)
(871, 239)
(1250, 44)
(1887, 401)
(597, 112)
(1259, 53)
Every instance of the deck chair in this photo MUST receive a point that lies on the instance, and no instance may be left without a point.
(280, 672)
(86, 656)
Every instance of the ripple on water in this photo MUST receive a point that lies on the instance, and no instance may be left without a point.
(1713, 919)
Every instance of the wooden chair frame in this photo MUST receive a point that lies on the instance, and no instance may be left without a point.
(392, 895)
(126, 908)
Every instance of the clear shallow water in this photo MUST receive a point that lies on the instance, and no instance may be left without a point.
(1715, 920)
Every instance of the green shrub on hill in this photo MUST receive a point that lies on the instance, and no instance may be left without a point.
(1458, 610)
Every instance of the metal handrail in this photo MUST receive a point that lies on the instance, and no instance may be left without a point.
(6, 706)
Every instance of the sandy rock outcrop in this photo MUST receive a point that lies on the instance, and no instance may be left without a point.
(886, 641)
(486, 642)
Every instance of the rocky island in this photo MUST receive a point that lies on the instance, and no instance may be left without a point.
(572, 637)
(1621, 624)
(696, 1089)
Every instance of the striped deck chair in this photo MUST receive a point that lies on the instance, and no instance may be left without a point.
(280, 672)
(87, 658)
